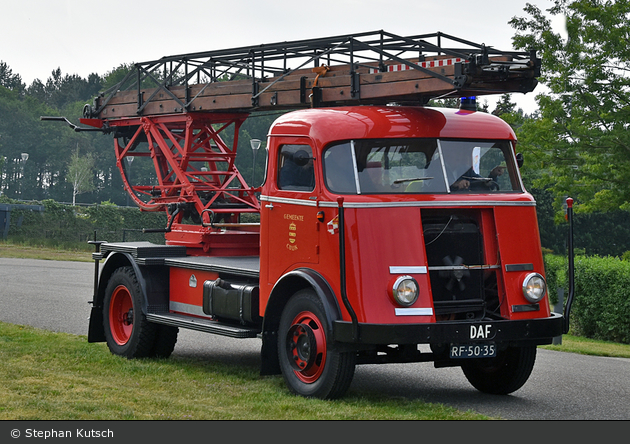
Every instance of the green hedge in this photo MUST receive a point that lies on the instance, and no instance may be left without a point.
(601, 305)
(601, 308)
(63, 225)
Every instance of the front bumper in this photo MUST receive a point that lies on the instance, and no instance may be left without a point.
(527, 331)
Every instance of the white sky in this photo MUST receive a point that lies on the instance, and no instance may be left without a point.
(87, 36)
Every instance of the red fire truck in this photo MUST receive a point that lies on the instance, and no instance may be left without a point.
(385, 231)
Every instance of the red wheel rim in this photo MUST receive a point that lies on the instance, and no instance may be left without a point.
(306, 347)
(121, 315)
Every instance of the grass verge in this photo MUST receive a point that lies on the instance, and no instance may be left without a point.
(45, 253)
(573, 344)
(58, 376)
(585, 346)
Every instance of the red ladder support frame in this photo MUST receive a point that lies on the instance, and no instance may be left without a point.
(177, 144)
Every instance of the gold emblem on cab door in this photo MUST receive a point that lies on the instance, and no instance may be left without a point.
(292, 237)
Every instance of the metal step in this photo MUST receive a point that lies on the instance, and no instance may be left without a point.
(204, 325)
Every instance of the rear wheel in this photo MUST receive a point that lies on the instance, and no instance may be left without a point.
(127, 332)
(309, 365)
(165, 340)
(504, 374)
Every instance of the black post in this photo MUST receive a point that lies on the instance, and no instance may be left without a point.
(97, 249)
(342, 272)
(559, 308)
(567, 309)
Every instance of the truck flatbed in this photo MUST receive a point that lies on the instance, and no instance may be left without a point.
(247, 266)
(147, 253)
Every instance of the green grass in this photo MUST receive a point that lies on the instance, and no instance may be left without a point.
(573, 344)
(8, 249)
(585, 346)
(58, 376)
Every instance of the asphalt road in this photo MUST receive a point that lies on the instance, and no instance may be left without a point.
(54, 296)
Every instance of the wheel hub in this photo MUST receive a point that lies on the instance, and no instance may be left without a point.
(302, 346)
(121, 315)
(127, 318)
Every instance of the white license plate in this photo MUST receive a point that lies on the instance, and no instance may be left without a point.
(481, 350)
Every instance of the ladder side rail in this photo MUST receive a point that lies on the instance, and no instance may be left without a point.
(476, 49)
(228, 66)
(107, 95)
(296, 49)
(480, 48)
(426, 47)
(160, 86)
(458, 52)
(268, 66)
(272, 51)
(213, 79)
(317, 56)
(415, 66)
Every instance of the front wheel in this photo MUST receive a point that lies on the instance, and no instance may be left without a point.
(504, 374)
(127, 332)
(310, 366)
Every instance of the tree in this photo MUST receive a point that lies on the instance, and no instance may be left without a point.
(504, 105)
(80, 174)
(60, 91)
(580, 142)
(116, 75)
(10, 80)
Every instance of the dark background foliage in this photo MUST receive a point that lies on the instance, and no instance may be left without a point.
(576, 145)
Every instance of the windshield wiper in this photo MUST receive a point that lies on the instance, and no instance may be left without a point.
(478, 179)
(397, 181)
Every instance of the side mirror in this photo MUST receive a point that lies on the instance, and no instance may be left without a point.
(301, 158)
(519, 159)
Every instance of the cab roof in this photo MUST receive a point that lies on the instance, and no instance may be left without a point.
(325, 125)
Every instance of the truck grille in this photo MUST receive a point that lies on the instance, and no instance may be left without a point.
(454, 243)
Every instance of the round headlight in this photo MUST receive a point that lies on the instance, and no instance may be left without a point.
(405, 290)
(534, 287)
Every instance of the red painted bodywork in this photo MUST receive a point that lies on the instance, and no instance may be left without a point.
(186, 290)
(178, 145)
(380, 230)
(386, 230)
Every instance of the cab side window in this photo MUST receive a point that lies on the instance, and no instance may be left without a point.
(295, 168)
(339, 170)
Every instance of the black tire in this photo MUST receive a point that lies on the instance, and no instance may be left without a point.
(165, 340)
(310, 366)
(127, 332)
(504, 374)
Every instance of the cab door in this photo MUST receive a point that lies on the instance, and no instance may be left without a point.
(289, 209)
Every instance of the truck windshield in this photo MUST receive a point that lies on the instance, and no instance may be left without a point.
(392, 166)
